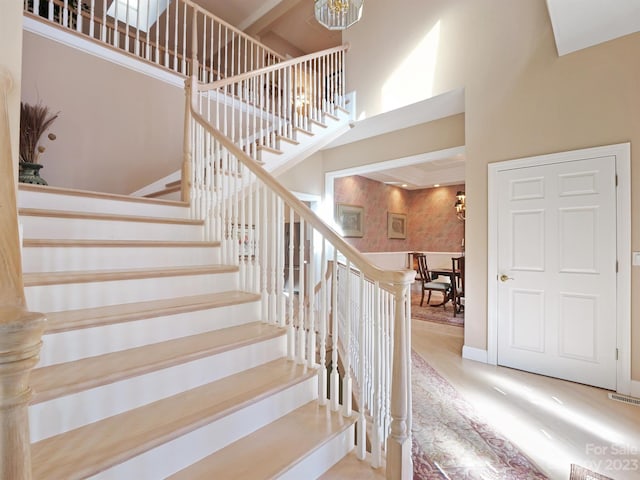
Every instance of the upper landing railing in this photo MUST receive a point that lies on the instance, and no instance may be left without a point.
(157, 31)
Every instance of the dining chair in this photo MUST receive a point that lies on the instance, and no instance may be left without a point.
(430, 284)
(457, 265)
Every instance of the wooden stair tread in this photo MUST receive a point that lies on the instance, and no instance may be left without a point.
(87, 276)
(102, 195)
(90, 317)
(56, 242)
(65, 378)
(269, 149)
(318, 122)
(302, 130)
(352, 468)
(40, 212)
(299, 433)
(283, 138)
(92, 448)
(331, 116)
(164, 191)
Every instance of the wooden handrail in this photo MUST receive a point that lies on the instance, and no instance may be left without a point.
(205, 87)
(238, 32)
(399, 277)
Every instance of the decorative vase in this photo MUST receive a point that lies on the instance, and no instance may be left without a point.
(30, 173)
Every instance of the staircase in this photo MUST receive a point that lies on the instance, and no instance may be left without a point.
(154, 363)
(181, 341)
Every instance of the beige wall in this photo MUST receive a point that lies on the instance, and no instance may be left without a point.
(118, 130)
(433, 136)
(521, 100)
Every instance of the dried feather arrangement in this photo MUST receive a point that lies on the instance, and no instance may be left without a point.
(35, 120)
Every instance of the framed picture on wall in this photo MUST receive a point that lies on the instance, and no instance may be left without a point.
(350, 219)
(396, 225)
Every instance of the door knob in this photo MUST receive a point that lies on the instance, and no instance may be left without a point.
(504, 278)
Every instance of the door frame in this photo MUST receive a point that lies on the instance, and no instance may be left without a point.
(622, 153)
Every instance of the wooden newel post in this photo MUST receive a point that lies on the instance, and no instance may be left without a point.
(399, 463)
(20, 340)
(20, 331)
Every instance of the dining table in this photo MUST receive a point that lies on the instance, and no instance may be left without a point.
(453, 275)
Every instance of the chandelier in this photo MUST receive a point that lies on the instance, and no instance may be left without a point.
(338, 14)
(460, 205)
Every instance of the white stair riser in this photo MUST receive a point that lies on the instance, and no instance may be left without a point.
(322, 459)
(76, 344)
(54, 298)
(74, 203)
(82, 228)
(60, 259)
(164, 460)
(73, 411)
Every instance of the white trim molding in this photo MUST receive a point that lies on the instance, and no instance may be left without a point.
(622, 153)
(475, 354)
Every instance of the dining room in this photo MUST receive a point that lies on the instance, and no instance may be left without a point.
(397, 227)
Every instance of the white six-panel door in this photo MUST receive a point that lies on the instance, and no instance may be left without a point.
(557, 270)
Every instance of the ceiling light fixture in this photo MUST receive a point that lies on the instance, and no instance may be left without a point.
(338, 14)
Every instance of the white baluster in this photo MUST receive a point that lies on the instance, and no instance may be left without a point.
(361, 449)
(376, 433)
(65, 14)
(346, 380)
(273, 259)
(302, 338)
(92, 19)
(291, 339)
(322, 325)
(280, 250)
(311, 340)
(157, 29)
(335, 377)
(264, 258)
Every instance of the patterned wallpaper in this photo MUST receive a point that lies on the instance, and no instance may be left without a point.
(431, 221)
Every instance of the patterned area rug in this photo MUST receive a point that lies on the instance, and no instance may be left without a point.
(581, 473)
(434, 314)
(451, 442)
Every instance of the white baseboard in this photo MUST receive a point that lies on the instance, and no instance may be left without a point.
(635, 388)
(475, 354)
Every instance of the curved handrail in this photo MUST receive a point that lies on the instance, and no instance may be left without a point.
(397, 277)
(205, 87)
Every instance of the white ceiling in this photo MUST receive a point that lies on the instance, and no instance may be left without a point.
(289, 27)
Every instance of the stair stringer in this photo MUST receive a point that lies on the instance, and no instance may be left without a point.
(288, 155)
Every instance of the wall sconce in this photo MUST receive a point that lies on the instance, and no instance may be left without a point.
(460, 205)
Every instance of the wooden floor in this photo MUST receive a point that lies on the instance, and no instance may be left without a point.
(555, 423)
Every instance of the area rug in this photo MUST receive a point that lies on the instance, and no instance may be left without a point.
(451, 442)
(434, 314)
